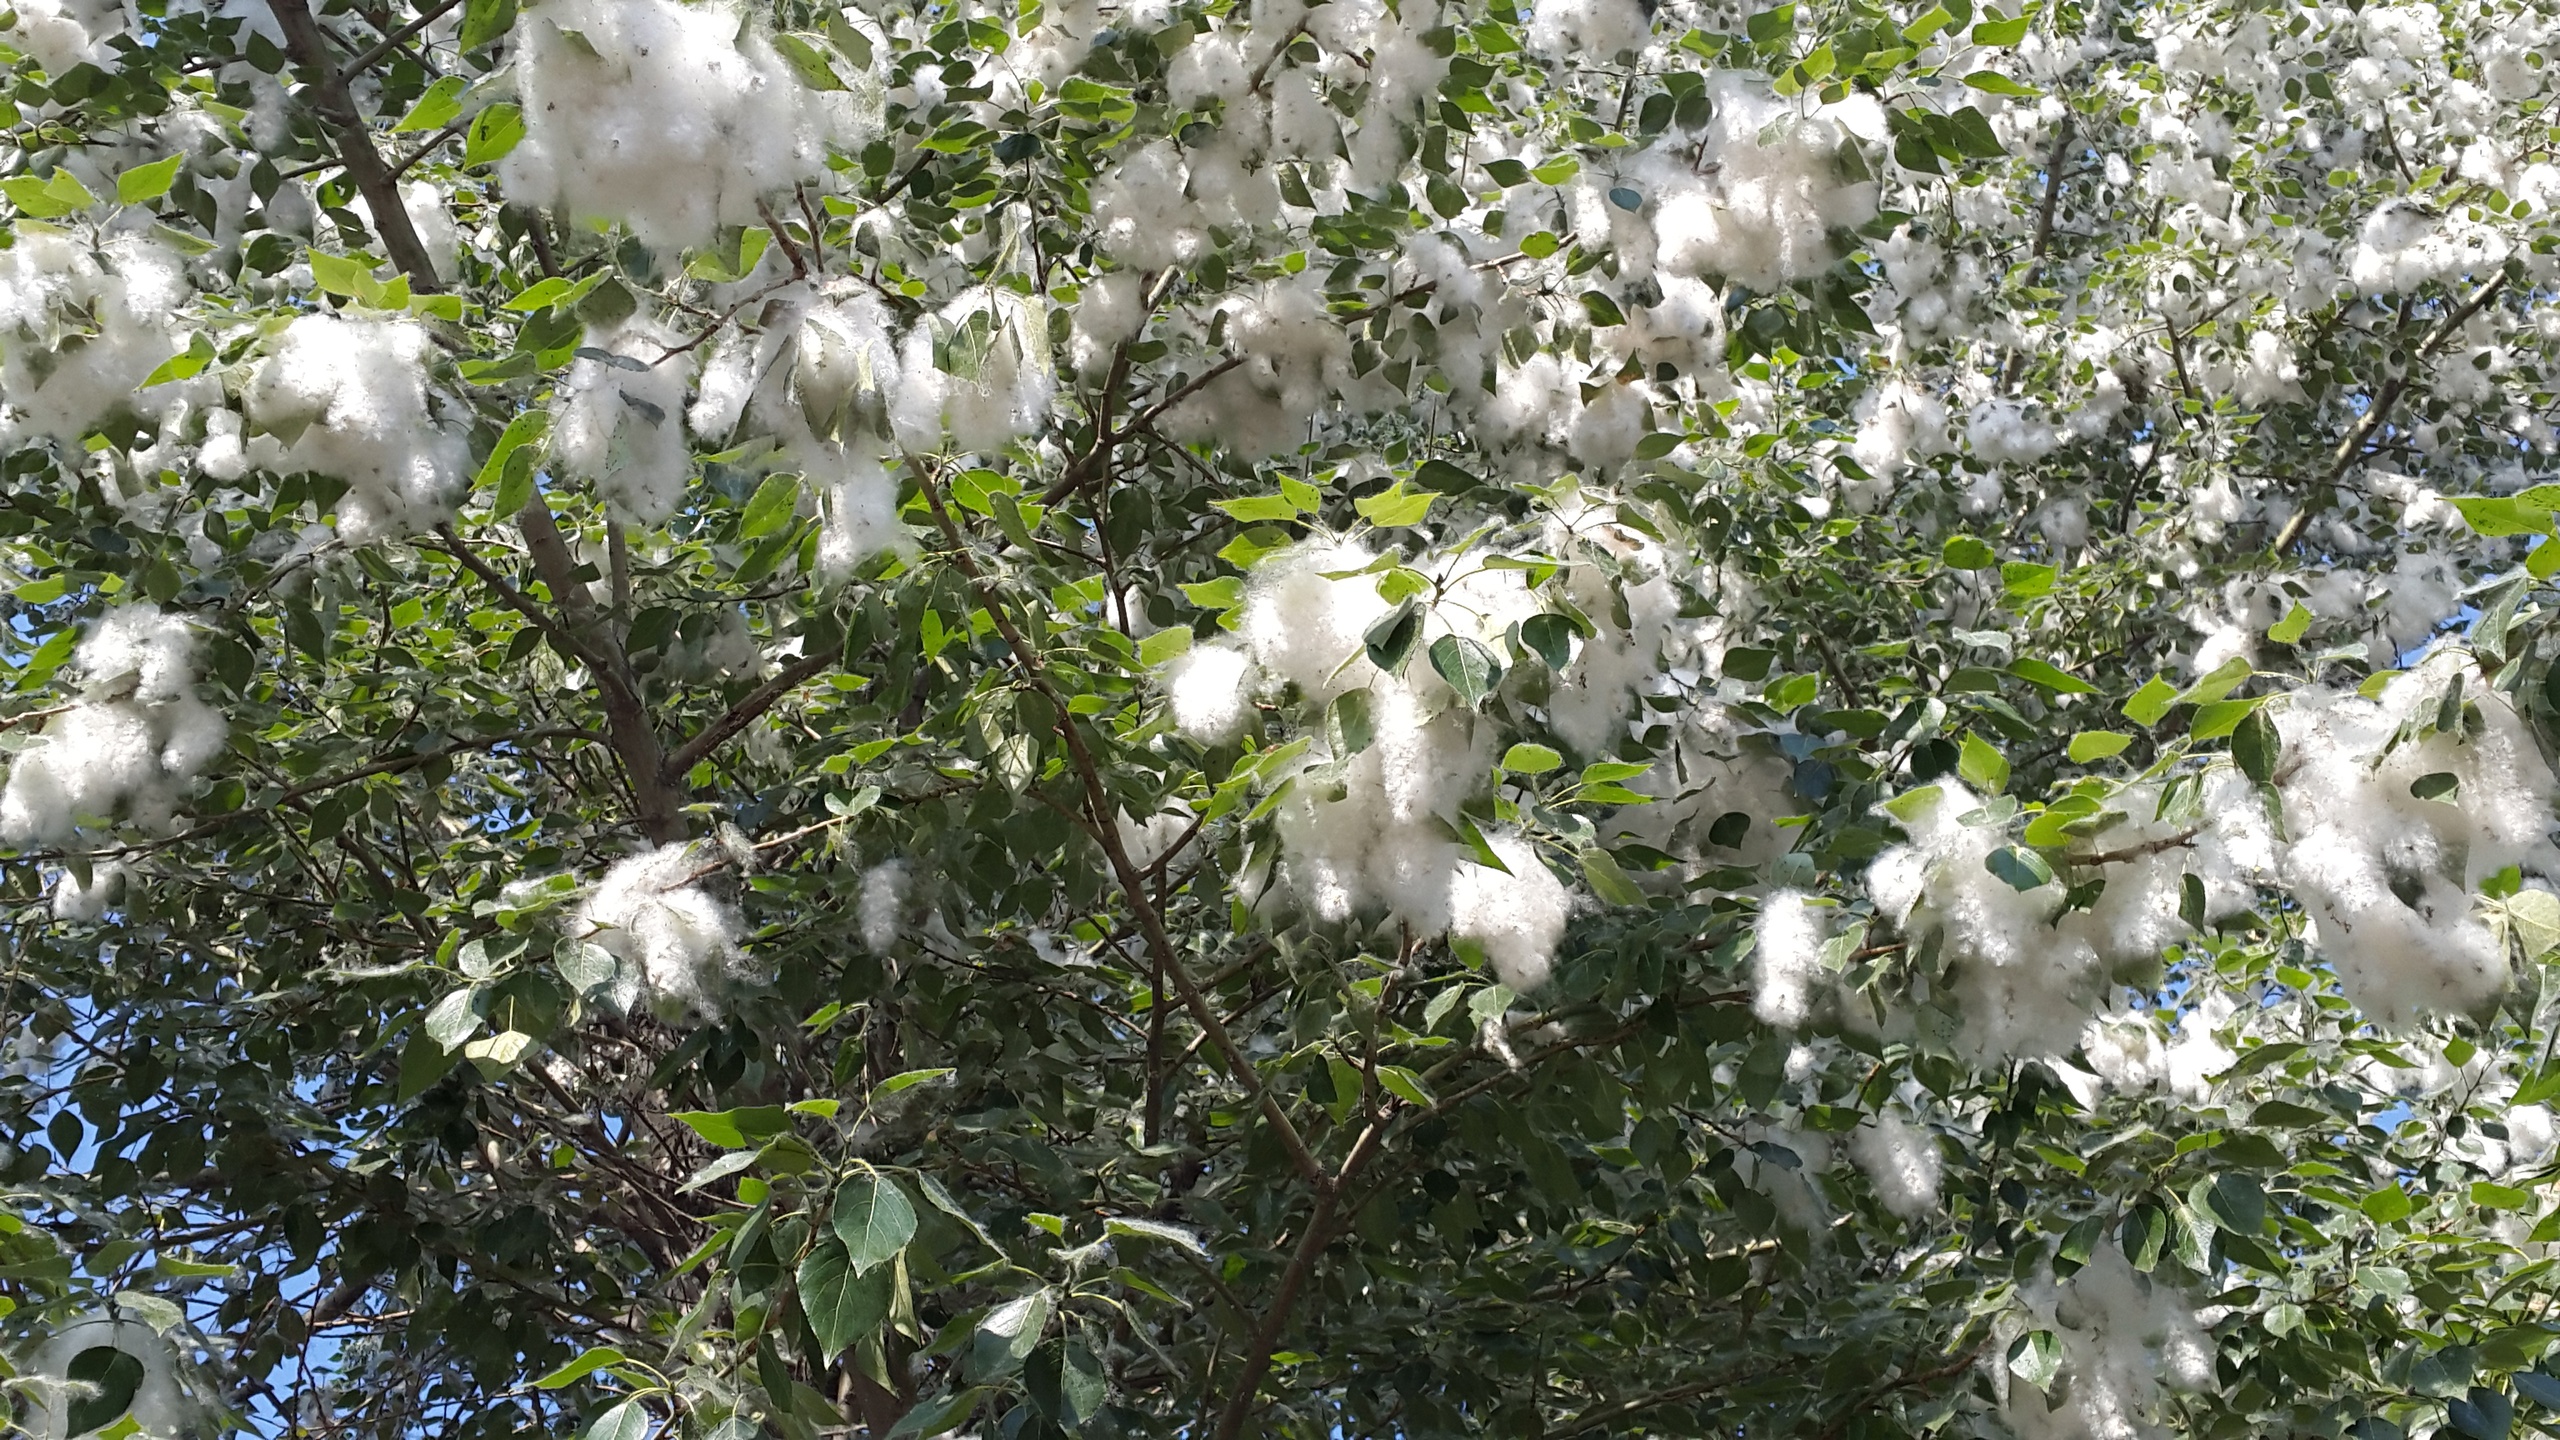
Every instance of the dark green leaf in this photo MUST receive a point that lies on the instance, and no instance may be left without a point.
(1468, 666)
(874, 1219)
(2257, 748)
(843, 1304)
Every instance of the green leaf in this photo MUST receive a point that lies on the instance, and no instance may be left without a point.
(595, 1358)
(1396, 506)
(2437, 785)
(1770, 26)
(2491, 1196)
(454, 1018)
(51, 199)
(494, 133)
(2091, 745)
(873, 1219)
(114, 1378)
(2026, 580)
(1348, 726)
(1970, 132)
(1065, 1382)
(2000, 32)
(1550, 637)
(1994, 83)
(909, 1079)
(1390, 641)
(843, 1304)
(2295, 624)
(1404, 1085)
(1467, 665)
(2221, 717)
(852, 44)
(1981, 766)
(1437, 475)
(2051, 678)
(2036, 1357)
(1164, 645)
(1224, 593)
(772, 506)
(742, 1128)
(186, 364)
(629, 1420)
(938, 1416)
(2235, 1202)
(147, 182)
(2022, 868)
(1607, 880)
(2482, 1414)
(485, 21)
(2150, 704)
(2225, 678)
(521, 431)
(1261, 507)
(540, 295)
(2501, 515)
(348, 275)
(808, 62)
(2256, 747)
(1964, 552)
(437, 108)
(2387, 1205)
(1602, 310)
(1528, 759)
(1792, 692)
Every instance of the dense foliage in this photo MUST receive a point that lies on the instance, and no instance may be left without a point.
(1393, 718)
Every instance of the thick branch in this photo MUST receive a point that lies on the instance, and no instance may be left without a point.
(633, 738)
(1266, 1336)
(743, 714)
(309, 46)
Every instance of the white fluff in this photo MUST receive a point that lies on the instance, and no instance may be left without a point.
(1518, 918)
(1598, 30)
(129, 749)
(2387, 877)
(883, 905)
(349, 399)
(161, 1409)
(1210, 689)
(1763, 217)
(2125, 1340)
(652, 913)
(665, 116)
(1902, 1161)
(1786, 960)
(859, 501)
(998, 384)
(81, 329)
(620, 422)
(73, 901)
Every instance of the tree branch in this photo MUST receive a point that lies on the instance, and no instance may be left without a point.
(2378, 412)
(628, 729)
(1100, 821)
(743, 714)
(396, 38)
(309, 46)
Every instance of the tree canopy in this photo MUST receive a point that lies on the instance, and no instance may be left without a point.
(1397, 718)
